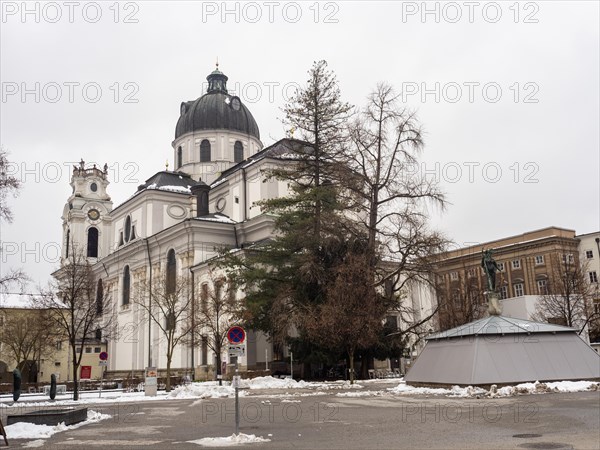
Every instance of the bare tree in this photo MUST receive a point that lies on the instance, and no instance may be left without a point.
(218, 311)
(28, 335)
(464, 301)
(569, 296)
(79, 310)
(9, 186)
(168, 305)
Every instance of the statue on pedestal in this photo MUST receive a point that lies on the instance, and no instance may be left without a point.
(490, 266)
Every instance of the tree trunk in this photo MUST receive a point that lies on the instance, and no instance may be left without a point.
(351, 357)
(168, 383)
(75, 381)
(219, 378)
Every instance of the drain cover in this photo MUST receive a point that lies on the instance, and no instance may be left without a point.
(527, 435)
(547, 446)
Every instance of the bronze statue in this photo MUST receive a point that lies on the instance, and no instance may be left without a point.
(490, 267)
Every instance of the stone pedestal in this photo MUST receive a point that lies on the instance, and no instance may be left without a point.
(494, 307)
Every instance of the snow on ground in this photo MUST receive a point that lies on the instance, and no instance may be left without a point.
(211, 389)
(454, 391)
(506, 391)
(25, 430)
(229, 441)
(540, 388)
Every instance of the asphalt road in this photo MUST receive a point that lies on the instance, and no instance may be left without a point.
(329, 421)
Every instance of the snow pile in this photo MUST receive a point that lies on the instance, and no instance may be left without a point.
(360, 394)
(273, 383)
(540, 388)
(454, 391)
(506, 391)
(208, 389)
(26, 430)
(229, 441)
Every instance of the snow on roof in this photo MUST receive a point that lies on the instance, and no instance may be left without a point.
(217, 217)
(19, 301)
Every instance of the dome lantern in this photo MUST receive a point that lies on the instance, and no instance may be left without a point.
(217, 81)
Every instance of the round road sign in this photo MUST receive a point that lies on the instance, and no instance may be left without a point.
(236, 335)
(103, 356)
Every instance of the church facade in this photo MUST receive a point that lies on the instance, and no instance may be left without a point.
(178, 220)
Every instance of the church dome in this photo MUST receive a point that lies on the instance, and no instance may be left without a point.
(216, 110)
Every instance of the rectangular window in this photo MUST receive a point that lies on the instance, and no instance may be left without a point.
(97, 350)
(568, 258)
(57, 364)
(391, 323)
(454, 275)
(589, 254)
(542, 287)
(472, 273)
(58, 345)
(516, 264)
(518, 289)
(236, 200)
(204, 346)
(597, 306)
(88, 349)
(539, 259)
(501, 267)
(503, 292)
(204, 297)
(456, 299)
(593, 277)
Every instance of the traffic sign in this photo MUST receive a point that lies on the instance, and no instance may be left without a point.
(236, 335)
(103, 356)
(237, 350)
(103, 362)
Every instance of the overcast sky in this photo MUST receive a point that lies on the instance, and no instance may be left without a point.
(508, 96)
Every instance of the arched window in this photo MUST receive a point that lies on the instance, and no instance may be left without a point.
(127, 229)
(204, 151)
(171, 271)
(99, 298)
(179, 157)
(126, 285)
(238, 151)
(92, 242)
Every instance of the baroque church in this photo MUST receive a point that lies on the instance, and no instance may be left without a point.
(178, 219)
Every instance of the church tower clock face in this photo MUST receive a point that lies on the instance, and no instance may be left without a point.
(93, 214)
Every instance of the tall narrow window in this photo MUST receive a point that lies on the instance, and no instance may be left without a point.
(204, 297)
(92, 242)
(126, 285)
(179, 157)
(204, 151)
(99, 298)
(171, 271)
(68, 239)
(204, 345)
(238, 151)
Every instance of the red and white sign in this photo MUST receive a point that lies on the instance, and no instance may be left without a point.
(103, 356)
(86, 372)
(236, 335)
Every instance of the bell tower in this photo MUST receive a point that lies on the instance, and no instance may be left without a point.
(86, 215)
